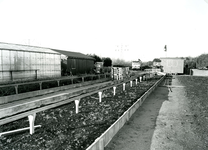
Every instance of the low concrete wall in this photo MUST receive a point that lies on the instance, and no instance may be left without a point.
(197, 72)
(106, 137)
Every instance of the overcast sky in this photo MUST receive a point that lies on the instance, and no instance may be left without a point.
(127, 29)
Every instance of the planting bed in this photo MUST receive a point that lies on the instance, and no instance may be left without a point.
(63, 129)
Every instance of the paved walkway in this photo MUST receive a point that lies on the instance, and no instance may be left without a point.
(164, 122)
(174, 126)
(137, 133)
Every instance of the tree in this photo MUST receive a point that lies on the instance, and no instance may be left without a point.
(121, 62)
(97, 58)
(202, 61)
(190, 62)
(156, 60)
(107, 62)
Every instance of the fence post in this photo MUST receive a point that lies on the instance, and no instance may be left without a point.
(16, 89)
(11, 75)
(40, 83)
(36, 74)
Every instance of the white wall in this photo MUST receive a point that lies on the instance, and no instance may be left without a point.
(136, 65)
(197, 72)
(172, 65)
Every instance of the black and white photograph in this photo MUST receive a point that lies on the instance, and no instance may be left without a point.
(103, 74)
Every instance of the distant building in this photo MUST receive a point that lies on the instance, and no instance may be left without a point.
(24, 62)
(98, 67)
(172, 65)
(156, 64)
(136, 64)
(77, 63)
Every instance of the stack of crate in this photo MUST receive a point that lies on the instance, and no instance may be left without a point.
(119, 73)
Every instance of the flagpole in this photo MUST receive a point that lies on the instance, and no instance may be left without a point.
(165, 51)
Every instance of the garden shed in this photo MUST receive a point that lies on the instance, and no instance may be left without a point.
(172, 65)
(23, 62)
(78, 63)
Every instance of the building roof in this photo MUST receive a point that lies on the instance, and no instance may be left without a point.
(171, 58)
(73, 54)
(19, 47)
(136, 61)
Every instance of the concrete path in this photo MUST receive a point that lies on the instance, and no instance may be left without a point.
(137, 133)
(164, 122)
(174, 126)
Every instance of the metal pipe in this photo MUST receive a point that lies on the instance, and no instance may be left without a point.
(18, 130)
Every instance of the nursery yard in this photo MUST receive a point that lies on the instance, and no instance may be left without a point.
(173, 118)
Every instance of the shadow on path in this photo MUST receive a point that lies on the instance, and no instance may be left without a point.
(137, 133)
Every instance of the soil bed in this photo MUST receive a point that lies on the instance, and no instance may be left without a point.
(63, 129)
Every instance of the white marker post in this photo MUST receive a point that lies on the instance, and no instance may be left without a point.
(136, 81)
(114, 90)
(140, 79)
(100, 96)
(31, 119)
(77, 105)
(124, 86)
